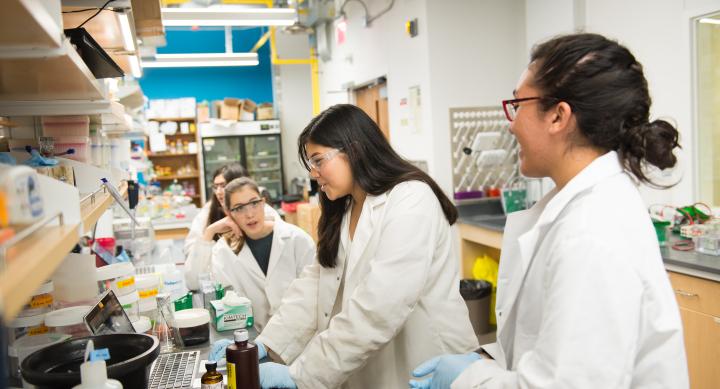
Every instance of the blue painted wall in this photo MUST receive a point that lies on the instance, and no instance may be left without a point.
(211, 83)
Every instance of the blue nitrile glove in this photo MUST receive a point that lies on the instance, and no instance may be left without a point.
(217, 351)
(275, 375)
(38, 160)
(444, 369)
(262, 352)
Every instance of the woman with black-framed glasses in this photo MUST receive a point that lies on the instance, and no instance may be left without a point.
(258, 257)
(583, 299)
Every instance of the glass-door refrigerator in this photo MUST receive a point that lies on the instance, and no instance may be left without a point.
(256, 145)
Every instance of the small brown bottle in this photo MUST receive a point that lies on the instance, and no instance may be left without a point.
(211, 379)
(242, 363)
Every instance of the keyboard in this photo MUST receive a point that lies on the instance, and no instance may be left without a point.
(174, 370)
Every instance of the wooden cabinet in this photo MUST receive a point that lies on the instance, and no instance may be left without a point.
(699, 301)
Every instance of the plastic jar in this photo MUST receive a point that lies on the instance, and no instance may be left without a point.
(68, 321)
(193, 325)
(118, 277)
(148, 287)
(25, 346)
(142, 325)
(130, 303)
(28, 325)
(41, 301)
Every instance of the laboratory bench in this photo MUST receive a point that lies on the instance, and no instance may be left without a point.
(695, 279)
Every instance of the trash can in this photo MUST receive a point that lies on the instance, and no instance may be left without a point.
(476, 294)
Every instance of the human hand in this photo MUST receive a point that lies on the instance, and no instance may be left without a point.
(275, 375)
(262, 351)
(222, 226)
(444, 369)
(217, 351)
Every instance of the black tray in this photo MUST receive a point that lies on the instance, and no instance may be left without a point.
(99, 62)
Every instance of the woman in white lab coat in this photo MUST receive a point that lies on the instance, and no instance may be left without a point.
(583, 299)
(210, 213)
(384, 293)
(259, 258)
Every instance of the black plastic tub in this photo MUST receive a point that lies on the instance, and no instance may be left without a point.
(58, 366)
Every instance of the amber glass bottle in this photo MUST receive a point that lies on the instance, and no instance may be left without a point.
(242, 363)
(211, 379)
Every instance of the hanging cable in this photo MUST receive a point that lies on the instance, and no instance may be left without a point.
(96, 13)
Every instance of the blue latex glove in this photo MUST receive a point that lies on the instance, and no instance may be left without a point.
(262, 352)
(217, 351)
(38, 160)
(444, 369)
(275, 375)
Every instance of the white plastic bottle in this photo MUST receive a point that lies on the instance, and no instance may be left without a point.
(93, 375)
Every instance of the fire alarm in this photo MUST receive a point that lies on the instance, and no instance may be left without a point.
(411, 27)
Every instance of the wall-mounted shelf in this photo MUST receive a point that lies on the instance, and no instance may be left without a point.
(170, 178)
(93, 206)
(54, 74)
(104, 113)
(26, 24)
(36, 259)
(173, 120)
(155, 155)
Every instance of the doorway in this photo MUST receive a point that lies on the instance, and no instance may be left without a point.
(372, 99)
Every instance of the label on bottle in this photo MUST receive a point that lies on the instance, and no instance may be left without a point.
(231, 381)
(218, 385)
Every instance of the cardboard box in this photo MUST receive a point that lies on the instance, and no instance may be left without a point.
(247, 110)
(203, 113)
(308, 216)
(265, 111)
(230, 109)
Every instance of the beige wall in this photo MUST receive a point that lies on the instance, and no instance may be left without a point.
(708, 68)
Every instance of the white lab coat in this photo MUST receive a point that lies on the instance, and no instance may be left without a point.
(583, 299)
(292, 249)
(400, 304)
(197, 229)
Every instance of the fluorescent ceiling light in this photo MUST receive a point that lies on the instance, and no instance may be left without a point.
(135, 66)
(128, 41)
(228, 16)
(710, 21)
(202, 60)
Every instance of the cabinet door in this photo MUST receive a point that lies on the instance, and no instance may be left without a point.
(702, 344)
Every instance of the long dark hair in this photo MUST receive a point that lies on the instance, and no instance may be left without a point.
(605, 86)
(229, 172)
(375, 167)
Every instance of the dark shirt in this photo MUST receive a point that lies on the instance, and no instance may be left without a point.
(261, 250)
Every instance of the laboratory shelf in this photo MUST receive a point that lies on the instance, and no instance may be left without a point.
(33, 19)
(170, 178)
(264, 170)
(36, 259)
(109, 115)
(160, 155)
(94, 205)
(46, 75)
(173, 120)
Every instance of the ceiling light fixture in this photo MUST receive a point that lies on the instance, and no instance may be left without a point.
(228, 16)
(202, 60)
(128, 41)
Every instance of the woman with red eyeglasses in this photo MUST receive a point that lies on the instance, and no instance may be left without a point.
(583, 300)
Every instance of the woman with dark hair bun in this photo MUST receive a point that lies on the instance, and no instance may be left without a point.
(583, 300)
(384, 292)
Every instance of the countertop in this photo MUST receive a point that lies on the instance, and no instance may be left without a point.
(488, 214)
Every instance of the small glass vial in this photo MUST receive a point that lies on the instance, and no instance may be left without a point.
(211, 379)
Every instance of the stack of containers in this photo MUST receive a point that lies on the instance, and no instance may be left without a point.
(148, 286)
(69, 132)
(120, 278)
(69, 321)
(31, 320)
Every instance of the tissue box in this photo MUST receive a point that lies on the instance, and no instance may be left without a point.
(233, 319)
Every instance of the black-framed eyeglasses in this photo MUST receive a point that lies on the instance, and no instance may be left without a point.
(511, 106)
(247, 207)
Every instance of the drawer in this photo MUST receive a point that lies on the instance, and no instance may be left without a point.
(696, 294)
